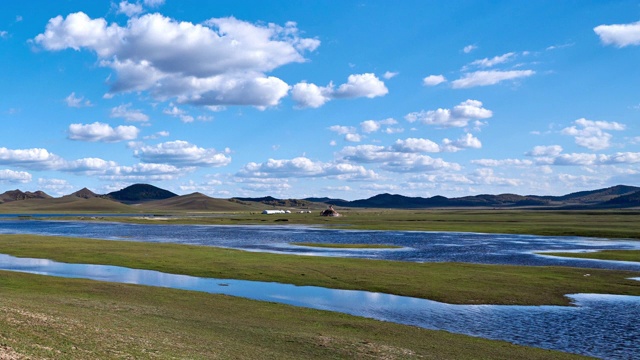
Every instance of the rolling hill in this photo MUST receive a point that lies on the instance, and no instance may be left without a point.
(140, 198)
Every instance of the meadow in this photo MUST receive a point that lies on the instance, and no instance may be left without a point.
(45, 317)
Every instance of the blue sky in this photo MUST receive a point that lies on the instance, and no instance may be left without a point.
(345, 99)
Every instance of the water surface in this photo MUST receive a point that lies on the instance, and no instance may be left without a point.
(603, 326)
(417, 246)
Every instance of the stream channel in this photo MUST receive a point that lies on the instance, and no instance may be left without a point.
(604, 326)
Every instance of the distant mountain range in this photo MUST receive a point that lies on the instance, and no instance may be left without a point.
(149, 198)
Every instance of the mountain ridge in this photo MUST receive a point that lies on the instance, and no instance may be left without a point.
(147, 197)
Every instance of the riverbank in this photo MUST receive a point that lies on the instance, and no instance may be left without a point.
(601, 223)
(48, 317)
(454, 283)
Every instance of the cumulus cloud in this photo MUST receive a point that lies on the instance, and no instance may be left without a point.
(501, 163)
(370, 126)
(311, 95)
(391, 159)
(591, 134)
(182, 153)
(467, 141)
(178, 113)
(12, 176)
(619, 35)
(77, 102)
(459, 116)
(553, 150)
(145, 172)
(129, 9)
(102, 132)
(488, 177)
(125, 112)
(4, 34)
(34, 158)
(416, 145)
(433, 80)
(491, 77)
(358, 85)
(305, 167)
(222, 61)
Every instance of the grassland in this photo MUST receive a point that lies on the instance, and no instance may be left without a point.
(455, 283)
(617, 255)
(603, 223)
(44, 317)
(55, 318)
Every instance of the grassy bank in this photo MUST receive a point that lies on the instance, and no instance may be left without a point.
(447, 282)
(55, 318)
(617, 255)
(605, 223)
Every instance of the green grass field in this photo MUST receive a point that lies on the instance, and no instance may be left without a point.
(617, 255)
(55, 318)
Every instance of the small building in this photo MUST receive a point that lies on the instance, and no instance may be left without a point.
(271, 212)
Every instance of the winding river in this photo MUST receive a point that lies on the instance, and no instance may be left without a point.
(604, 326)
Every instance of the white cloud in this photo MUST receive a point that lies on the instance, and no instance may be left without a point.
(34, 158)
(73, 101)
(369, 126)
(467, 141)
(553, 150)
(129, 9)
(305, 167)
(433, 80)
(222, 61)
(349, 132)
(488, 177)
(156, 135)
(413, 145)
(153, 3)
(361, 85)
(353, 137)
(310, 95)
(342, 130)
(144, 172)
(124, 111)
(55, 186)
(178, 113)
(357, 85)
(469, 48)
(486, 62)
(459, 116)
(12, 176)
(393, 160)
(619, 35)
(503, 162)
(4, 34)
(590, 134)
(491, 77)
(182, 153)
(390, 74)
(102, 132)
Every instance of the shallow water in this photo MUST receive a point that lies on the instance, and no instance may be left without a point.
(603, 326)
(418, 246)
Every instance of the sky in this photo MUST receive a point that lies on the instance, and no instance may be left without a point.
(343, 99)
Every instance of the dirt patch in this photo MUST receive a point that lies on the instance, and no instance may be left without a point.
(7, 353)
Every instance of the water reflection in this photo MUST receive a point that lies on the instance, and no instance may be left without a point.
(417, 246)
(600, 325)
